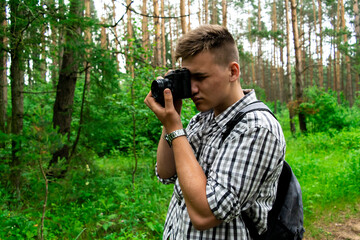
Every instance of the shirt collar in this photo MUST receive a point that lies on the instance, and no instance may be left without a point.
(223, 118)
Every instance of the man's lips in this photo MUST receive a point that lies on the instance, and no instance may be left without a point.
(196, 99)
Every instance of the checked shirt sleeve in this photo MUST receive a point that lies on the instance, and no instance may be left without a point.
(240, 171)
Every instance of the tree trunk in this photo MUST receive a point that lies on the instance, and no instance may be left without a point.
(224, 13)
(214, 14)
(117, 43)
(171, 39)
(17, 87)
(357, 33)
(337, 80)
(189, 15)
(157, 50)
(206, 9)
(260, 62)
(183, 18)
(320, 61)
(348, 90)
(145, 31)
(66, 86)
(298, 65)
(253, 78)
(163, 43)
(130, 36)
(88, 40)
(3, 65)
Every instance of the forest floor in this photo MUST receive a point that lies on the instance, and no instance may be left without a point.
(343, 225)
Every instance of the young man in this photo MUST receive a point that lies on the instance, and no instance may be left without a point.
(215, 182)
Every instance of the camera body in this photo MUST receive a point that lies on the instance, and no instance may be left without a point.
(178, 81)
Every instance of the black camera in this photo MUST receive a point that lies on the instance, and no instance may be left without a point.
(178, 81)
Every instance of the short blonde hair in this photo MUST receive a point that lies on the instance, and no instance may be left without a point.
(213, 38)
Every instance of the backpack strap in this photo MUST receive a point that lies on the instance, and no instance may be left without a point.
(254, 106)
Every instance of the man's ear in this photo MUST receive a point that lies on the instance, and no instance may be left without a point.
(234, 71)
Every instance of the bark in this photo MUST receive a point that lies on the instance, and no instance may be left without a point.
(172, 51)
(214, 14)
(103, 38)
(206, 9)
(357, 33)
(189, 14)
(224, 13)
(163, 43)
(260, 61)
(145, 31)
(253, 80)
(298, 64)
(320, 60)
(88, 38)
(183, 18)
(337, 80)
(117, 43)
(3, 65)
(66, 86)
(157, 51)
(17, 88)
(130, 36)
(349, 91)
(288, 63)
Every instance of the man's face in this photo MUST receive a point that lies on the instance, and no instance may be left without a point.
(209, 82)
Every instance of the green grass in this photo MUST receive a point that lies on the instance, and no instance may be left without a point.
(100, 201)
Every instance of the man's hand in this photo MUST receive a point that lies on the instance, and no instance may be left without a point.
(169, 115)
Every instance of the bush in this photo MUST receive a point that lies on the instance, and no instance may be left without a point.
(324, 113)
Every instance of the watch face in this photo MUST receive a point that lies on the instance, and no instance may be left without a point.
(177, 133)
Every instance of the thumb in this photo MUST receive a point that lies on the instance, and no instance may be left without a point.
(168, 98)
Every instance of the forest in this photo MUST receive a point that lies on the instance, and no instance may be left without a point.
(78, 145)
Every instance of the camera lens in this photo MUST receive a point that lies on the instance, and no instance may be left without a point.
(157, 87)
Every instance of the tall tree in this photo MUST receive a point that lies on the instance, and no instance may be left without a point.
(130, 45)
(3, 65)
(163, 42)
(224, 13)
(206, 10)
(65, 92)
(337, 21)
(320, 60)
(144, 28)
(172, 51)
(17, 26)
(349, 91)
(117, 43)
(298, 64)
(214, 12)
(357, 35)
(183, 18)
(260, 53)
(157, 44)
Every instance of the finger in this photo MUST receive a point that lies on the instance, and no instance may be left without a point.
(150, 102)
(168, 99)
(168, 72)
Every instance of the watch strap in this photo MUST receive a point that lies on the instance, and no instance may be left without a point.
(171, 136)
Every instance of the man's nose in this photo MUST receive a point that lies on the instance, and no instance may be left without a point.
(194, 87)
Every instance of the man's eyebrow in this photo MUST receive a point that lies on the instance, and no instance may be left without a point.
(198, 74)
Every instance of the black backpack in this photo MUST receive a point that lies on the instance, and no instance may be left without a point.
(285, 219)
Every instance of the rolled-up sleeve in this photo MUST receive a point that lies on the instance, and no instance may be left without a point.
(239, 170)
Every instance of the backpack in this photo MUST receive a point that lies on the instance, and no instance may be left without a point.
(285, 219)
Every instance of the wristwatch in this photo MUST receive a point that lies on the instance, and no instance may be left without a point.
(171, 136)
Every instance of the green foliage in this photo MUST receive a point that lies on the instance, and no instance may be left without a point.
(95, 201)
(323, 113)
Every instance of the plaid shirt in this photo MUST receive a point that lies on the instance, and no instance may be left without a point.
(242, 173)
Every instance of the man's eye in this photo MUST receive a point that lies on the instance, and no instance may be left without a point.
(200, 78)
